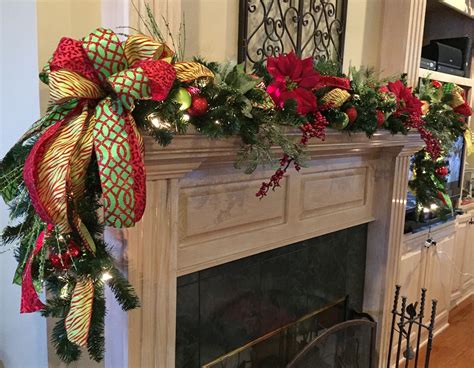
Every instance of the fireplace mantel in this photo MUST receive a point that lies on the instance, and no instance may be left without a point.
(190, 151)
(201, 212)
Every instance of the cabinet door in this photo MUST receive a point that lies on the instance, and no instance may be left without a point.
(412, 268)
(468, 265)
(439, 277)
(460, 242)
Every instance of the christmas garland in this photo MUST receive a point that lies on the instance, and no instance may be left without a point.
(444, 114)
(80, 167)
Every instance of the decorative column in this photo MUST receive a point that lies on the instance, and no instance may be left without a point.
(402, 38)
(152, 270)
(384, 239)
(152, 265)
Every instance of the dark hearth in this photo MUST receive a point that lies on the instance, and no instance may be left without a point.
(226, 307)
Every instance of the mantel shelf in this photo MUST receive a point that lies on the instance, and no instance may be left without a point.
(189, 151)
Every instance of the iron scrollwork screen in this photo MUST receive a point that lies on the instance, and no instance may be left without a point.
(309, 27)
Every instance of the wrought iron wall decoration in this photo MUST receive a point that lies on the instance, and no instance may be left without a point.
(309, 27)
(410, 324)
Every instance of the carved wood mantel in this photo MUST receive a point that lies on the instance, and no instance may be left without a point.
(201, 212)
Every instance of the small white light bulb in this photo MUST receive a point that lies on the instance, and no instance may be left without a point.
(426, 210)
(434, 207)
(106, 276)
(186, 117)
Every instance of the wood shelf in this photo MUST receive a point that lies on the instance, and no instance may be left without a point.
(444, 77)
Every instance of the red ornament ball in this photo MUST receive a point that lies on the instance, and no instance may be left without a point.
(74, 250)
(436, 84)
(380, 118)
(60, 261)
(442, 171)
(352, 114)
(198, 106)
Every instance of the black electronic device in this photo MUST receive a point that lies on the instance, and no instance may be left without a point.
(465, 45)
(428, 64)
(448, 70)
(452, 55)
(443, 54)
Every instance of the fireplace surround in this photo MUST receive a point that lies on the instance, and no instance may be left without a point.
(203, 213)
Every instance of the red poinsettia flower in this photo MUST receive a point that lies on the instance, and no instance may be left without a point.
(406, 101)
(293, 78)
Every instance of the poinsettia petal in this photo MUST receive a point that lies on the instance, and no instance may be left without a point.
(307, 65)
(306, 101)
(296, 70)
(310, 82)
(272, 67)
(284, 64)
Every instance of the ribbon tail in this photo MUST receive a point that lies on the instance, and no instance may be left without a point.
(118, 151)
(47, 169)
(78, 319)
(30, 302)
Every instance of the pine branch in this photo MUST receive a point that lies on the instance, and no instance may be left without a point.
(122, 290)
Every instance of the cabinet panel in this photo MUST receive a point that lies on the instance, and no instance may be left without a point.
(468, 264)
(460, 242)
(411, 272)
(438, 276)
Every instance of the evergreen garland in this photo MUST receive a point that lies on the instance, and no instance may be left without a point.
(239, 104)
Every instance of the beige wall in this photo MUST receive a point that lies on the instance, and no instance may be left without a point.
(363, 33)
(60, 18)
(212, 28)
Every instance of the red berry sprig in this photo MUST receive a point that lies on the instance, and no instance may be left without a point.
(309, 130)
(433, 146)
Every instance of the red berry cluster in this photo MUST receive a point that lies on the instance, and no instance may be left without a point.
(274, 182)
(316, 129)
(62, 261)
(309, 130)
(433, 146)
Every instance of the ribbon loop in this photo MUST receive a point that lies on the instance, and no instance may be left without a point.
(140, 47)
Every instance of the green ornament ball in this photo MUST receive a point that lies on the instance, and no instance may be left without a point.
(340, 121)
(184, 98)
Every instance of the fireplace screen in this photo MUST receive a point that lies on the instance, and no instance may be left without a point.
(316, 340)
(347, 345)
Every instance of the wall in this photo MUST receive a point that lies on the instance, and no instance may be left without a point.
(22, 337)
(212, 28)
(363, 33)
(63, 18)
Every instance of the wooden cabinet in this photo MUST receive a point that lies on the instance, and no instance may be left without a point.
(430, 268)
(463, 258)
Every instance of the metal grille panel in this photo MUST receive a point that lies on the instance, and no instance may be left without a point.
(309, 27)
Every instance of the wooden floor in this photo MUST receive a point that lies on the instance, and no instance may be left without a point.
(454, 348)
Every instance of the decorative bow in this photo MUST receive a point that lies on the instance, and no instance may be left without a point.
(94, 84)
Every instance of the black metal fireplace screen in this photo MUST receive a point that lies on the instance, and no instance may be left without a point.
(309, 27)
(332, 337)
